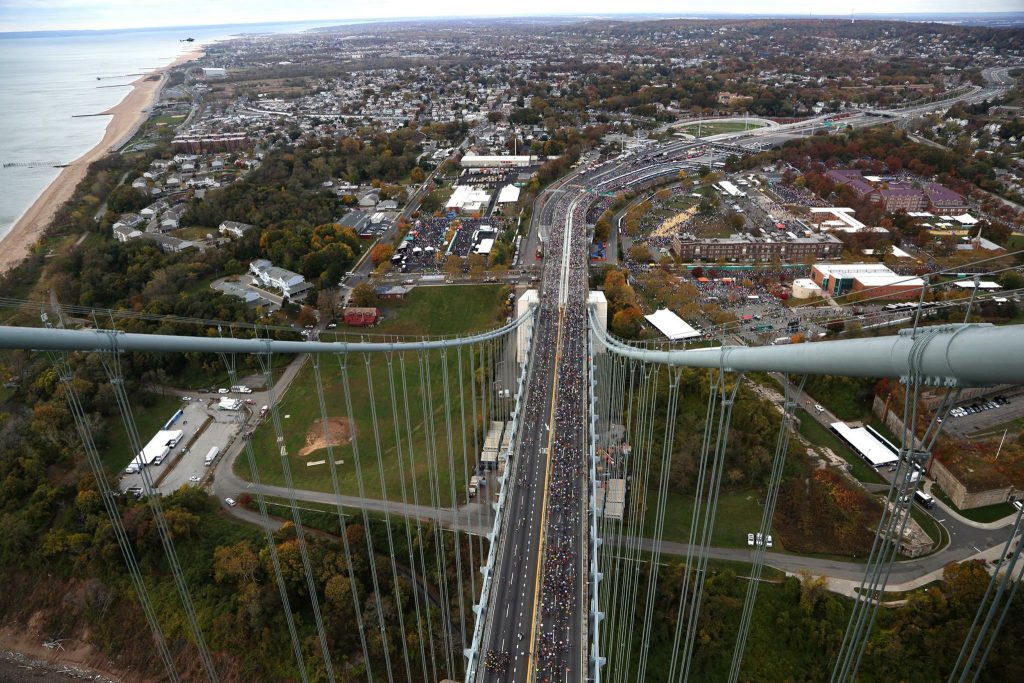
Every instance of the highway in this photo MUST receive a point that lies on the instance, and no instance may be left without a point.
(535, 620)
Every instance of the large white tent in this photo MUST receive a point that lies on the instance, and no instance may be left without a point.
(671, 325)
(865, 444)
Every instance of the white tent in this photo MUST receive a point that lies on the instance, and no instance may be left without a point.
(865, 444)
(671, 325)
(508, 194)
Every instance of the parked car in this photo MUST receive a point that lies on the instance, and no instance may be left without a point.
(750, 539)
(230, 502)
(223, 391)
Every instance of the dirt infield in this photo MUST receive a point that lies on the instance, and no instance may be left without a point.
(339, 433)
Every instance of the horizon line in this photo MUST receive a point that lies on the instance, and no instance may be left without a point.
(573, 15)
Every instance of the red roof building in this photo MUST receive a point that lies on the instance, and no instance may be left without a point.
(361, 316)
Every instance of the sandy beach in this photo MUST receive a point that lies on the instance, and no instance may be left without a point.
(126, 117)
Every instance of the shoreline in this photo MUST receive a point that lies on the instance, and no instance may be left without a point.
(126, 118)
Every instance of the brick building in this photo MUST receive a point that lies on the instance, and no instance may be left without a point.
(744, 247)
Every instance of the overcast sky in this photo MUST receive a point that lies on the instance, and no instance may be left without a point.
(36, 15)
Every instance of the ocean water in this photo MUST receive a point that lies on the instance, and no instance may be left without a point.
(46, 80)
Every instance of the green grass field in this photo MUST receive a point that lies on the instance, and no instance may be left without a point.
(455, 309)
(379, 439)
(738, 513)
(716, 127)
(148, 419)
(982, 515)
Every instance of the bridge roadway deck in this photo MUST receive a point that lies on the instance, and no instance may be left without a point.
(535, 619)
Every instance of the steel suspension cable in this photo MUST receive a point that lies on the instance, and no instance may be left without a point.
(65, 374)
(420, 543)
(790, 398)
(367, 534)
(645, 429)
(454, 497)
(267, 525)
(405, 515)
(464, 438)
(273, 399)
(112, 365)
(340, 511)
(387, 515)
(716, 388)
(659, 523)
(973, 640)
(427, 393)
(612, 630)
(707, 529)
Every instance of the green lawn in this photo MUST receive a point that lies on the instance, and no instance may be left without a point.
(738, 513)
(715, 127)
(456, 309)
(1013, 426)
(168, 119)
(428, 310)
(818, 435)
(982, 515)
(935, 531)
(148, 420)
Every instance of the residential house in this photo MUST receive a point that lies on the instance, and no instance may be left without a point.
(267, 275)
(234, 228)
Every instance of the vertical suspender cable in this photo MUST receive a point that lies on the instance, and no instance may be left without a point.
(387, 516)
(420, 543)
(454, 501)
(707, 530)
(112, 364)
(715, 390)
(789, 403)
(340, 510)
(267, 525)
(66, 376)
(659, 518)
(435, 504)
(300, 533)
(405, 516)
(347, 391)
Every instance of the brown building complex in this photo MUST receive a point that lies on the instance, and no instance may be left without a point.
(743, 247)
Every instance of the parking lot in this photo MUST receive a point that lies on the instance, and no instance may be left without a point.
(989, 420)
(203, 427)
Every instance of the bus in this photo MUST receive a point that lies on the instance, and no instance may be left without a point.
(924, 499)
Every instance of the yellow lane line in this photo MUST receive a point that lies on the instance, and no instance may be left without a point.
(544, 504)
